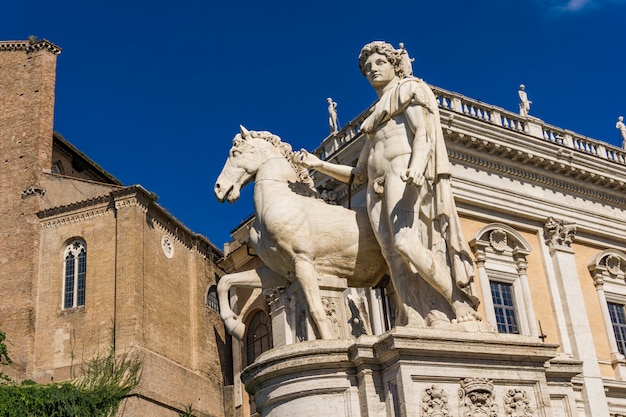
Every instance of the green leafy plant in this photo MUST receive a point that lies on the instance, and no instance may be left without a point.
(103, 384)
(188, 412)
(4, 359)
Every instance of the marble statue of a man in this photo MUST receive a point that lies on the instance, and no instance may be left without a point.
(622, 130)
(524, 103)
(409, 197)
(332, 116)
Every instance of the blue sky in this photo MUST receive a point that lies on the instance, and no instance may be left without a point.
(154, 91)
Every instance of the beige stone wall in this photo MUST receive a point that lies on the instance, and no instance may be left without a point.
(62, 190)
(157, 303)
(66, 337)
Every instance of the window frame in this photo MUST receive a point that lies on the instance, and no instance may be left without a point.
(608, 271)
(262, 319)
(211, 303)
(77, 250)
(501, 254)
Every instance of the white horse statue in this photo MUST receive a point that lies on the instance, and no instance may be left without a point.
(297, 235)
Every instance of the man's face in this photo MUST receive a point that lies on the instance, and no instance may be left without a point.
(378, 70)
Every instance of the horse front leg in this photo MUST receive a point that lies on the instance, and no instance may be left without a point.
(308, 278)
(256, 278)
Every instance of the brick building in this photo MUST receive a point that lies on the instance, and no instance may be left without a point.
(86, 261)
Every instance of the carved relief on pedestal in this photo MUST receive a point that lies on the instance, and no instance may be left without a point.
(558, 234)
(435, 402)
(331, 306)
(517, 403)
(477, 398)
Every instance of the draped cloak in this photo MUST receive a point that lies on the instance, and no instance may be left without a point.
(444, 227)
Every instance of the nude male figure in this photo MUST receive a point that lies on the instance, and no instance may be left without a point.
(409, 199)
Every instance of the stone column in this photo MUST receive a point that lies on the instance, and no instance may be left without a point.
(281, 327)
(617, 359)
(490, 314)
(376, 314)
(559, 236)
(522, 265)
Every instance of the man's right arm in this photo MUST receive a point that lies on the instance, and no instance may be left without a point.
(343, 173)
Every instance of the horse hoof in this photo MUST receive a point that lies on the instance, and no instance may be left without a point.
(235, 327)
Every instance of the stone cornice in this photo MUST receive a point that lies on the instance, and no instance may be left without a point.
(74, 213)
(122, 199)
(29, 46)
(580, 187)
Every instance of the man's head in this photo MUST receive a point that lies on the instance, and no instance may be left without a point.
(394, 56)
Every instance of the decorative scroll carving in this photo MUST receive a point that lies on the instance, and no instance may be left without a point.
(477, 398)
(275, 298)
(329, 197)
(517, 403)
(558, 234)
(435, 402)
(613, 264)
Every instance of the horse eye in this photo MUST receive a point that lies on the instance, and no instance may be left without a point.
(235, 153)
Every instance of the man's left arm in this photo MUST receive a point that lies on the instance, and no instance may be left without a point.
(417, 114)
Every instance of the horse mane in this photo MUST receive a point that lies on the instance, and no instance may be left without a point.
(307, 185)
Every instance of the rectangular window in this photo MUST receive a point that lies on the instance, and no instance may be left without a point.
(504, 306)
(618, 320)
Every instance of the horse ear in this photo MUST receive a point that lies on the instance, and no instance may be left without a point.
(244, 132)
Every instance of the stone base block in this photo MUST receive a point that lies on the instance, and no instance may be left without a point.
(411, 372)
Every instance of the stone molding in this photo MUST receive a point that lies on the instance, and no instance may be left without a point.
(73, 213)
(29, 46)
(578, 188)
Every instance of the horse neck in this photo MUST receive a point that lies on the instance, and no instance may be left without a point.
(273, 176)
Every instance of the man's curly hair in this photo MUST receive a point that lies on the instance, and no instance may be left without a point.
(393, 55)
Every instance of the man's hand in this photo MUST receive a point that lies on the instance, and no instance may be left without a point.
(412, 176)
(307, 159)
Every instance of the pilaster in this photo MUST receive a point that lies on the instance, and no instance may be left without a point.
(559, 237)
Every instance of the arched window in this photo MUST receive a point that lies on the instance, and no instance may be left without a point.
(258, 336)
(501, 258)
(74, 274)
(212, 301)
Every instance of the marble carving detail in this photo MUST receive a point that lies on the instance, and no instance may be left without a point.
(559, 234)
(477, 398)
(517, 403)
(435, 402)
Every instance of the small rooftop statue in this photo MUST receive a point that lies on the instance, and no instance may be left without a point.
(332, 116)
(524, 103)
(622, 130)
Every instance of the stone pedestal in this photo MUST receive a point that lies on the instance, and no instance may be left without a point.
(410, 372)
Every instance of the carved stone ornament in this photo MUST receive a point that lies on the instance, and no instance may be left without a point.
(167, 246)
(330, 307)
(435, 402)
(477, 398)
(613, 264)
(559, 235)
(498, 240)
(517, 403)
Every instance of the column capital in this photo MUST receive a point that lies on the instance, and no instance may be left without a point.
(559, 235)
